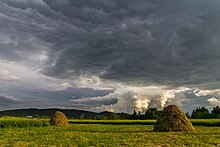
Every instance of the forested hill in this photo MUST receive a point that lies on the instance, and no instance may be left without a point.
(71, 113)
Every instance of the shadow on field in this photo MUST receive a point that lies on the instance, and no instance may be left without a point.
(206, 124)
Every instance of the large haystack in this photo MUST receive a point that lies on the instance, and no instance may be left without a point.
(172, 119)
(58, 119)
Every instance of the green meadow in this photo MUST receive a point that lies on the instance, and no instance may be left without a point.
(33, 132)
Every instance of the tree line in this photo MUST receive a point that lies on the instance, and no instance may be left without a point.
(153, 113)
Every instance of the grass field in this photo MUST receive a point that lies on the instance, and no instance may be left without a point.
(106, 133)
(196, 122)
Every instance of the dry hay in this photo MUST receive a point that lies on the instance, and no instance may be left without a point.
(58, 119)
(172, 119)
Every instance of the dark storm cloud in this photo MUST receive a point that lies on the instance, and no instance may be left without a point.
(153, 42)
(6, 101)
(173, 43)
(150, 42)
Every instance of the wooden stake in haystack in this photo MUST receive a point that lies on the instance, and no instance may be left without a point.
(58, 119)
(172, 119)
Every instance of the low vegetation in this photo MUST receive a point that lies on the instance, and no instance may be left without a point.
(13, 122)
(107, 133)
(80, 132)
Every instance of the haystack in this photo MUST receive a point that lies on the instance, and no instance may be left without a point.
(172, 119)
(58, 119)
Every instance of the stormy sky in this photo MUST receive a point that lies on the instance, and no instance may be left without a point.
(109, 55)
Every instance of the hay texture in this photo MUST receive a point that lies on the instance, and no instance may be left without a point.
(58, 119)
(172, 119)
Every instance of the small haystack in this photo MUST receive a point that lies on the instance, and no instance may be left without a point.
(172, 119)
(58, 119)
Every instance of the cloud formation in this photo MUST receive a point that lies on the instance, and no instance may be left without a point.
(214, 101)
(117, 52)
(139, 42)
(128, 98)
(6, 76)
(7, 101)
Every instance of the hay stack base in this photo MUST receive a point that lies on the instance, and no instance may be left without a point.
(58, 119)
(172, 119)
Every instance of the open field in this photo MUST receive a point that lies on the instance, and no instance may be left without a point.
(196, 122)
(106, 133)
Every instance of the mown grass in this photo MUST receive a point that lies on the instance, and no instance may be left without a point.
(114, 122)
(195, 122)
(13, 122)
(109, 133)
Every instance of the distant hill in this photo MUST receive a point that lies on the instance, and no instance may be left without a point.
(70, 113)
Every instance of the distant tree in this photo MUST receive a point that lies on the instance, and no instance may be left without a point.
(113, 116)
(100, 117)
(216, 110)
(124, 115)
(200, 113)
(187, 115)
(151, 113)
(82, 115)
(134, 115)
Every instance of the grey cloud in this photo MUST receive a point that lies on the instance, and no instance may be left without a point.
(157, 44)
(6, 101)
(7, 97)
(7, 76)
(140, 43)
(28, 95)
(94, 102)
(7, 79)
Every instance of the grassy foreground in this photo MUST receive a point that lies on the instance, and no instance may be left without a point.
(135, 134)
